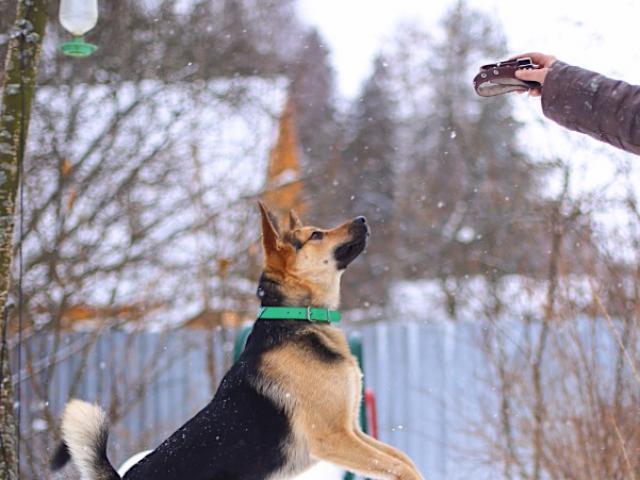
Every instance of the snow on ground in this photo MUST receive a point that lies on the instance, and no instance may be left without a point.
(322, 471)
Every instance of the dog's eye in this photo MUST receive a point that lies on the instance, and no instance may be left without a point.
(316, 236)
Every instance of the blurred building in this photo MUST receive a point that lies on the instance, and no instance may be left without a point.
(284, 184)
(282, 190)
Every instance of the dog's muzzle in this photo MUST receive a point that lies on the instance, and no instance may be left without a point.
(348, 251)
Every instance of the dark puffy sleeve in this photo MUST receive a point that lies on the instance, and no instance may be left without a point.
(587, 102)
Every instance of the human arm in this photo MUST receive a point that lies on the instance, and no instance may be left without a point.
(587, 102)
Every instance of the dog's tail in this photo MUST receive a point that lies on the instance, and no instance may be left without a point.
(85, 431)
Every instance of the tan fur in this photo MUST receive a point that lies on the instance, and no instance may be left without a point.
(322, 398)
(309, 276)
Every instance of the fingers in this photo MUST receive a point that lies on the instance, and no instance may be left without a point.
(533, 75)
(541, 59)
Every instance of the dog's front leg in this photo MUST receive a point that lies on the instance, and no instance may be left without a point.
(389, 450)
(369, 440)
(348, 450)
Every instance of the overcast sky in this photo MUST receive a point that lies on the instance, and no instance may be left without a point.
(600, 35)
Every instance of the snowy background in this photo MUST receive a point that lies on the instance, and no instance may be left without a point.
(594, 35)
(498, 299)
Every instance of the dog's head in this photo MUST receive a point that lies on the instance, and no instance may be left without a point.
(303, 264)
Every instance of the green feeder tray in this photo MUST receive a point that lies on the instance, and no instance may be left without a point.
(78, 48)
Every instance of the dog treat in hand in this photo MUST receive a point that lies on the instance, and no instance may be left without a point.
(499, 78)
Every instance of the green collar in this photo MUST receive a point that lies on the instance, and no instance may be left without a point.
(322, 315)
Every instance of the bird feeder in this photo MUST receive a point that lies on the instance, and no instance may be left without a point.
(78, 17)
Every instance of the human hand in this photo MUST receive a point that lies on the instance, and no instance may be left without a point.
(536, 74)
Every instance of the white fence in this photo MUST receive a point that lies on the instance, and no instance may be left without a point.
(432, 381)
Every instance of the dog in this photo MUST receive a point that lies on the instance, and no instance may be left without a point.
(291, 399)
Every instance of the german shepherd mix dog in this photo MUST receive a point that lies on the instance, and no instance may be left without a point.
(290, 400)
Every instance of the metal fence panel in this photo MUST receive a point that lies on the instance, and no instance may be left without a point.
(430, 380)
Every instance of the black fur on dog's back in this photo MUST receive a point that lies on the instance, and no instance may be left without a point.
(241, 433)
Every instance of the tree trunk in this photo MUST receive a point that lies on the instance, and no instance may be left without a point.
(21, 64)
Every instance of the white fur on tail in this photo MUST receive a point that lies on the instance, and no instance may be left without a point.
(84, 427)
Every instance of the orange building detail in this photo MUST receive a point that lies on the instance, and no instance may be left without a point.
(283, 190)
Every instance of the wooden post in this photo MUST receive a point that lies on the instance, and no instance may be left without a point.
(18, 86)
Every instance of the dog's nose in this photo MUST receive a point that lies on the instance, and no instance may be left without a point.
(361, 220)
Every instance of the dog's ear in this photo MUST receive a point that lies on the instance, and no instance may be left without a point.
(270, 230)
(294, 220)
